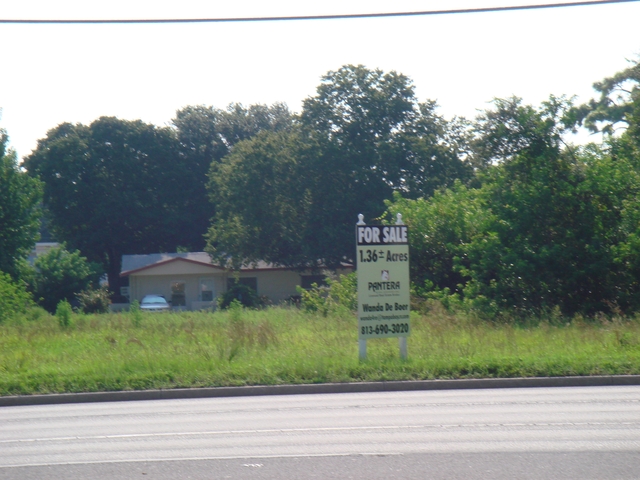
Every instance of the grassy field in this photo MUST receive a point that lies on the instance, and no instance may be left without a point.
(130, 351)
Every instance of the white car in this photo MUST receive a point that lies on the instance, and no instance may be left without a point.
(154, 303)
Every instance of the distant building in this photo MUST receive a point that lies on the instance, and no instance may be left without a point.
(39, 249)
(190, 281)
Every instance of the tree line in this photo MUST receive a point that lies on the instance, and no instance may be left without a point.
(505, 214)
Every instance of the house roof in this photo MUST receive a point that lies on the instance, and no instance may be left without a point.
(140, 263)
(131, 263)
(136, 263)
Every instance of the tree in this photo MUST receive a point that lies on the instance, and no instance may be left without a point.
(619, 103)
(511, 128)
(19, 210)
(261, 201)
(362, 137)
(550, 226)
(381, 136)
(440, 229)
(60, 275)
(374, 139)
(206, 135)
(114, 187)
(238, 123)
(616, 113)
(436, 153)
(549, 240)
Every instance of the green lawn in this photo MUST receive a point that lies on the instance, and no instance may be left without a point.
(124, 351)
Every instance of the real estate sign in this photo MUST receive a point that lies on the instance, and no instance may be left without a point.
(383, 281)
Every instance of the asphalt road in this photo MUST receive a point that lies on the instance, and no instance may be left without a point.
(575, 432)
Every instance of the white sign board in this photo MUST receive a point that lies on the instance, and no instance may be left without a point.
(383, 281)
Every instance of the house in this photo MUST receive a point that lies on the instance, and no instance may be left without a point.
(190, 281)
(39, 248)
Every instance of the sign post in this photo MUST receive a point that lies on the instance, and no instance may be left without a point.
(382, 260)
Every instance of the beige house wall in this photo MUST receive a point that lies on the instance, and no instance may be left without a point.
(277, 285)
(141, 285)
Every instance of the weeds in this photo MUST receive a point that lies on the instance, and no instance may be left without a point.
(136, 313)
(240, 346)
(339, 296)
(63, 314)
(94, 300)
(244, 332)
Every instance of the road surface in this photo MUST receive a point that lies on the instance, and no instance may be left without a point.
(575, 432)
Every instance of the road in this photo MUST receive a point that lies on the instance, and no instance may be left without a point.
(576, 432)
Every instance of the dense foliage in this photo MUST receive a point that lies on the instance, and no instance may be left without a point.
(338, 296)
(205, 136)
(19, 210)
(59, 275)
(292, 197)
(549, 226)
(505, 214)
(243, 295)
(14, 299)
(93, 300)
(113, 187)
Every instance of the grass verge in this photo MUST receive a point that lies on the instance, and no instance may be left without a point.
(122, 351)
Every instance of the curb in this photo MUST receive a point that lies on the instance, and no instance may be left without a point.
(305, 389)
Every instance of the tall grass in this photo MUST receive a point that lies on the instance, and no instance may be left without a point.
(140, 350)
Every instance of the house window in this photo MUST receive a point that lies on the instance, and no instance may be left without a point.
(248, 281)
(306, 281)
(178, 297)
(206, 290)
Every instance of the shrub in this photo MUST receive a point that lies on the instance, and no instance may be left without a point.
(61, 274)
(315, 299)
(14, 299)
(339, 294)
(244, 294)
(63, 313)
(136, 313)
(94, 300)
(344, 291)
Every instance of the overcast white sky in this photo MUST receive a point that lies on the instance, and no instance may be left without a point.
(77, 73)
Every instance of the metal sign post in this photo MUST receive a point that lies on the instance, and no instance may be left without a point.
(382, 260)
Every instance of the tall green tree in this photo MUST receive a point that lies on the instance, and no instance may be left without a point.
(618, 104)
(616, 113)
(382, 137)
(363, 136)
(19, 210)
(206, 135)
(262, 201)
(550, 226)
(374, 139)
(511, 128)
(114, 187)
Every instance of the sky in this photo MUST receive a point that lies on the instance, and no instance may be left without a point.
(77, 73)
